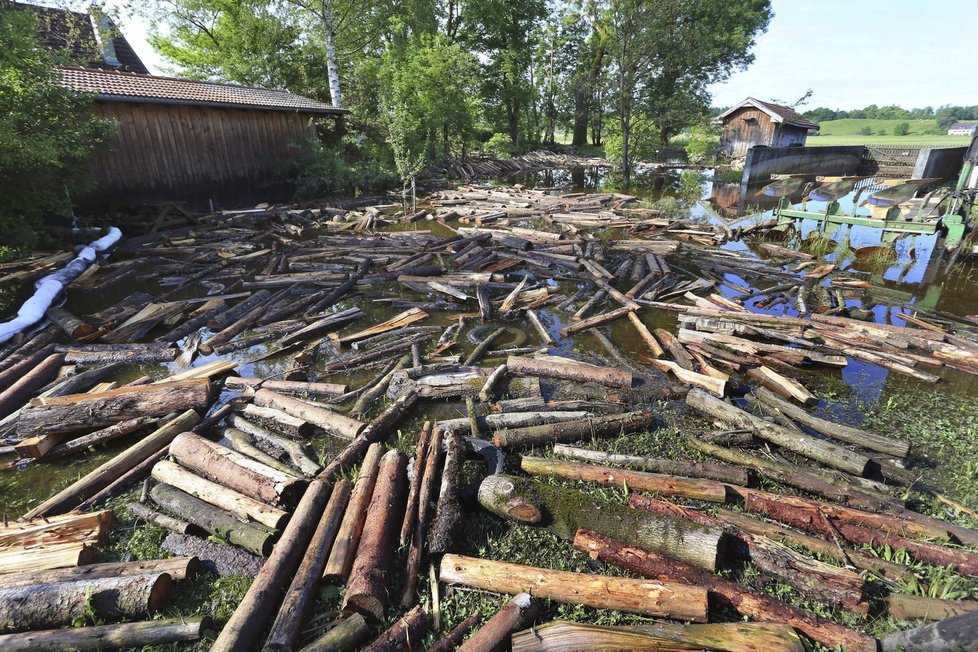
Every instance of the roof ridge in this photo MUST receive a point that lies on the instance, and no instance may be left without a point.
(185, 80)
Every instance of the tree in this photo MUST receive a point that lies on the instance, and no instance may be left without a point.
(902, 129)
(47, 132)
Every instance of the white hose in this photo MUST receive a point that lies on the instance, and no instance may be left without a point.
(49, 287)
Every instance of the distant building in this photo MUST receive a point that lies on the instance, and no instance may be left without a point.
(753, 122)
(963, 129)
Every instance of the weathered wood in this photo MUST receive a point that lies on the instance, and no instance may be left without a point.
(250, 619)
(236, 471)
(253, 537)
(52, 605)
(452, 639)
(178, 568)
(366, 588)
(100, 478)
(80, 412)
(718, 472)
(30, 381)
(347, 636)
(293, 449)
(277, 420)
(241, 442)
(301, 593)
(918, 607)
(597, 320)
(426, 494)
(409, 628)
(79, 444)
(664, 600)
(102, 637)
(326, 390)
(763, 609)
(411, 509)
(519, 612)
(344, 549)
(150, 515)
(485, 394)
(448, 514)
(572, 431)
(566, 369)
(334, 423)
(959, 633)
(562, 636)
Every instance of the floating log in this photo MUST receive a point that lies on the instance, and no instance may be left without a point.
(344, 549)
(571, 431)
(250, 619)
(301, 593)
(519, 612)
(563, 636)
(663, 600)
(595, 321)
(334, 423)
(718, 472)
(101, 637)
(325, 390)
(100, 478)
(366, 588)
(548, 366)
(346, 636)
(51, 605)
(236, 471)
(763, 609)
(407, 629)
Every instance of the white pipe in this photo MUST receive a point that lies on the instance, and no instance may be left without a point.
(49, 287)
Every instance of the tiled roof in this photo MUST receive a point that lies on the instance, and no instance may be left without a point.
(779, 113)
(132, 87)
(964, 125)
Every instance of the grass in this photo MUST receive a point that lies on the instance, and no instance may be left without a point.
(934, 140)
(923, 133)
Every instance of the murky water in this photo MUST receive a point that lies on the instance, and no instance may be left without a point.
(917, 278)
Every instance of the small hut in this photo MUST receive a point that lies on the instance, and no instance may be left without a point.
(753, 122)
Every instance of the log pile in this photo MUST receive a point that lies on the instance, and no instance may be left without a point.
(327, 461)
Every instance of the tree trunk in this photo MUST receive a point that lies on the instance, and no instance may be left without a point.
(302, 592)
(567, 369)
(563, 636)
(366, 589)
(516, 614)
(425, 497)
(53, 605)
(250, 619)
(236, 471)
(572, 431)
(918, 607)
(12, 398)
(332, 61)
(663, 600)
(403, 634)
(70, 497)
(347, 636)
(718, 472)
(652, 565)
(81, 412)
(334, 423)
(348, 538)
(150, 633)
(581, 114)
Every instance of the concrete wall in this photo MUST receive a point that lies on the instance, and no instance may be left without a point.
(939, 162)
(762, 162)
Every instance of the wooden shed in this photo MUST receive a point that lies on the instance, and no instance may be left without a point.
(187, 140)
(753, 122)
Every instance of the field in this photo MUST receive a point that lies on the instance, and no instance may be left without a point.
(923, 133)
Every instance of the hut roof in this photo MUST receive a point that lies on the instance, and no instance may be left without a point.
(778, 113)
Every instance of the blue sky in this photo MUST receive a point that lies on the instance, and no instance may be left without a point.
(912, 53)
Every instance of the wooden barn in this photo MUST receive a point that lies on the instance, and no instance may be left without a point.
(187, 140)
(753, 122)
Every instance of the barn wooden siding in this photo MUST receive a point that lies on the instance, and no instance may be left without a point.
(749, 126)
(170, 152)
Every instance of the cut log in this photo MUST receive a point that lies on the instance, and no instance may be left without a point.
(301, 593)
(718, 472)
(411, 509)
(817, 449)
(566, 369)
(402, 635)
(80, 412)
(426, 494)
(519, 612)
(763, 609)
(293, 449)
(563, 636)
(645, 334)
(401, 320)
(597, 320)
(918, 607)
(668, 485)
(236, 471)
(658, 599)
(959, 634)
(325, 390)
(150, 633)
(448, 521)
(13, 397)
(572, 431)
(344, 549)
(250, 619)
(452, 639)
(716, 386)
(347, 636)
(277, 420)
(366, 588)
(241, 506)
(52, 605)
(253, 537)
(219, 558)
(334, 423)
(79, 444)
(178, 568)
(150, 515)
(241, 442)
(100, 478)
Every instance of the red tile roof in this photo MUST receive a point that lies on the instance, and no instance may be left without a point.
(132, 87)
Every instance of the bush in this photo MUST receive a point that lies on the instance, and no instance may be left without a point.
(703, 144)
(326, 171)
(501, 146)
(901, 129)
(47, 132)
(643, 143)
(865, 131)
(881, 132)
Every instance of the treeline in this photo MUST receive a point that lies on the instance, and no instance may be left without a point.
(945, 115)
(432, 79)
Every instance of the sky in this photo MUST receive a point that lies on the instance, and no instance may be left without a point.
(851, 53)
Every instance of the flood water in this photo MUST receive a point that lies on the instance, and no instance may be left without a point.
(918, 278)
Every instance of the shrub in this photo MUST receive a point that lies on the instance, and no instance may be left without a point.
(500, 145)
(643, 143)
(703, 144)
(902, 129)
(865, 131)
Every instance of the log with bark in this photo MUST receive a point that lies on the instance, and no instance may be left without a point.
(718, 472)
(519, 612)
(426, 493)
(138, 635)
(566, 369)
(959, 634)
(277, 420)
(448, 521)
(323, 390)
(346, 636)
(334, 423)
(29, 381)
(242, 442)
(150, 515)
(453, 638)
(79, 444)
(649, 598)
(297, 455)
(344, 549)
(402, 635)
(178, 568)
(366, 588)
(918, 607)
(572, 431)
